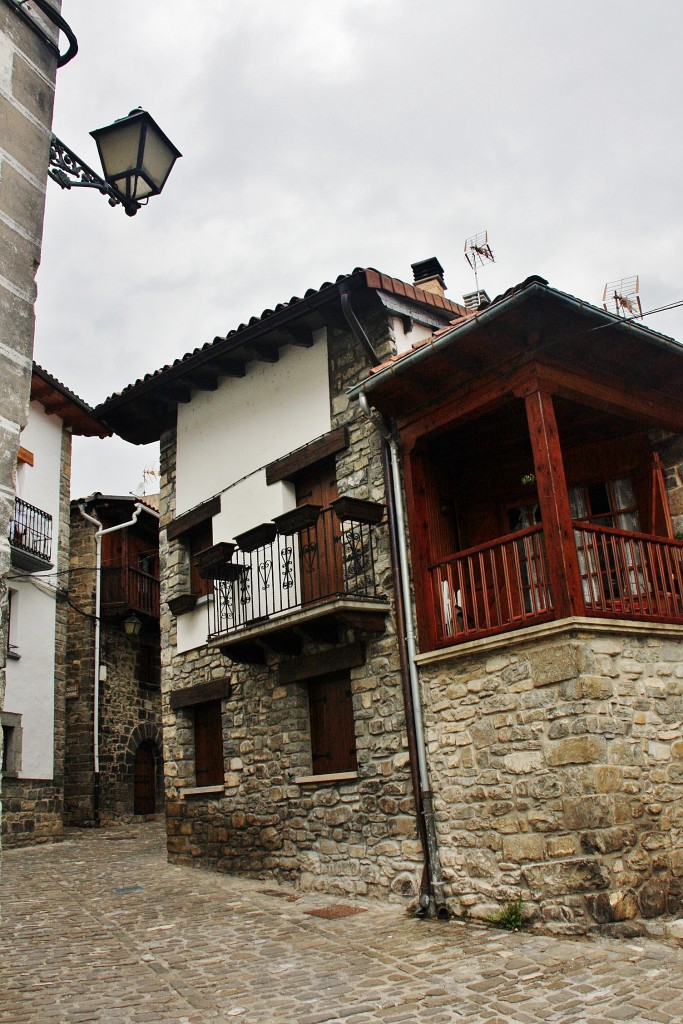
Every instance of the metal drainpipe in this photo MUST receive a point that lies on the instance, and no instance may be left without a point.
(434, 860)
(98, 600)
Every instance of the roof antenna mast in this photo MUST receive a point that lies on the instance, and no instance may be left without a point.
(621, 297)
(477, 253)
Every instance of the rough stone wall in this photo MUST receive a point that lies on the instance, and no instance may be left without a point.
(355, 836)
(33, 808)
(78, 767)
(557, 767)
(26, 118)
(130, 712)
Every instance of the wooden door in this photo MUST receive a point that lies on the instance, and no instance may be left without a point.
(144, 779)
(320, 545)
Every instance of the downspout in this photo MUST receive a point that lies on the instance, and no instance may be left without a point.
(98, 602)
(432, 849)
(433, 898)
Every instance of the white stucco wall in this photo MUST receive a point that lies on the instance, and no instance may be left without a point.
(30, 681)
(405, 341)
(227, 437)
(250, 421)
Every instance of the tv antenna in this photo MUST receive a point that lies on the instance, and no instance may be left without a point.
(621, 297)
(477, 253)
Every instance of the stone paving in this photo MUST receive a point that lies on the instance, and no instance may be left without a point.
(100, 928)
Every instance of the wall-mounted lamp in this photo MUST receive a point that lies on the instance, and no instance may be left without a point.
(132, 625)
(137, 158)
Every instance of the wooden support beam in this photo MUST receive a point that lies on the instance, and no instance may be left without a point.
(177, 393)
(558, 531)
(420, 548)
(225, 366)
(301, 336)
(634, 402)
(307, 456)
(188, 696)
(323, 663)
(201, 381)
(264, 351)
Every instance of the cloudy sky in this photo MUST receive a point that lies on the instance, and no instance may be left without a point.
(322, 135)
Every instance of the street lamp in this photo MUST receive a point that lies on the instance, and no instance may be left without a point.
(137, 158)
(132, 625)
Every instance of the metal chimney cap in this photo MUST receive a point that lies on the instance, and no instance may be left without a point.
(426, 268)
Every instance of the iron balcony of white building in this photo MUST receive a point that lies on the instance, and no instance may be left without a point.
(30, 537)
(307, 574)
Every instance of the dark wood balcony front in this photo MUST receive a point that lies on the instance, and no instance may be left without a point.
(30, 537)
(503, 585)
(307, 573)
(125, 589)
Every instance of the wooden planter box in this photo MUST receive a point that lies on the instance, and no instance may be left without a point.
(182, 603)
(358, 509)
(299, 518)
(257, 537)
(214, 562)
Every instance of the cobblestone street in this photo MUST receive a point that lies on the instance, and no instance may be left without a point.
(100, 928)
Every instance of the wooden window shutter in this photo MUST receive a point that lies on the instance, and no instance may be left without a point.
(208, 744)
(333, 734)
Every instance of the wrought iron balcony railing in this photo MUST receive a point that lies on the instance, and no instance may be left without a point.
(124, 587)
(30, 531)
(304, 557)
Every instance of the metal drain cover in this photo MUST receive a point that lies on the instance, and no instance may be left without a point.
(335, 911)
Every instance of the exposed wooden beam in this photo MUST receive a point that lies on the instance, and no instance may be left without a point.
(301, 336)
(178, 393)
(323, 663)
(201, 381)
(224, 366)
(265, 351)
(188, 696)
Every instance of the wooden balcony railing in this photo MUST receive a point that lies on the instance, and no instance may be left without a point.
(30, 530)
(492, 588)
(503, 585)
(281, 569)
(129, 588)
(630, 575)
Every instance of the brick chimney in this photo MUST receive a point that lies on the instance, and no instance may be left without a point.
(428, 274)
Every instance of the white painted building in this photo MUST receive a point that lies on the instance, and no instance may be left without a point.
(33, 714)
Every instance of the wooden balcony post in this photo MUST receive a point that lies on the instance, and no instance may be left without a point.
(563, 565)
(420, 550)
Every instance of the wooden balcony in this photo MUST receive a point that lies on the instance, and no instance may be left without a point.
(125, 589)
(503, 585)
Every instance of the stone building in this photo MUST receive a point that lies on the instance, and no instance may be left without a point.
(30, 57)
(375, 454)
(113, 766)
(35, 630)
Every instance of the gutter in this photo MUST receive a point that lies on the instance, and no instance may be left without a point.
(432, 900)
(431, 888)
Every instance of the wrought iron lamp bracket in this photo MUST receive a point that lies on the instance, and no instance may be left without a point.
(69, 171)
